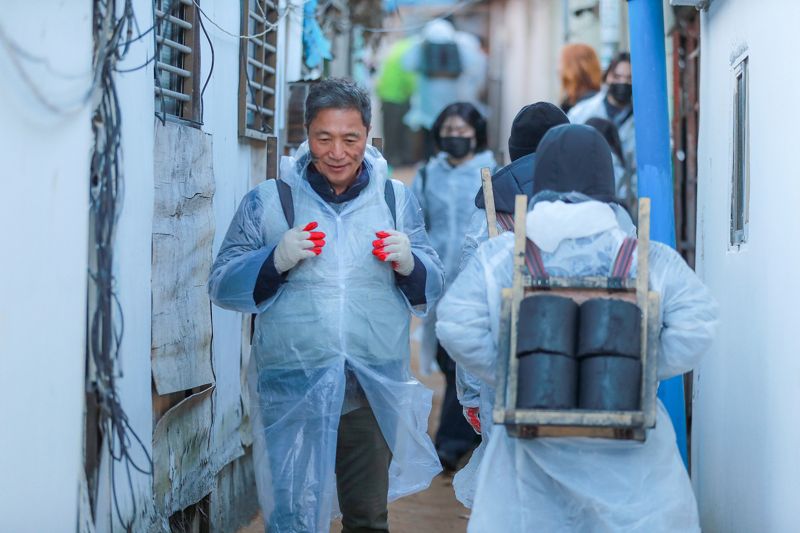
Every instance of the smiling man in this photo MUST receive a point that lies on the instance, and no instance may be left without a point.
(333, 258)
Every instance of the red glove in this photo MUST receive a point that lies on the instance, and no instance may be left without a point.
(473, 416)
(395, 247)
(316, 237)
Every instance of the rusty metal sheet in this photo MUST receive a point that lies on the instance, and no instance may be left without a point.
(183, 233)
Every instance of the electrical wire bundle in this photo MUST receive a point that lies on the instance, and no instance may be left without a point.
(113, 36)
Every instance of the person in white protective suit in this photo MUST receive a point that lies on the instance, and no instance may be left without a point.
(577, 484)
(450, 66)
(614, 103)
(333, 258)
(445, 188)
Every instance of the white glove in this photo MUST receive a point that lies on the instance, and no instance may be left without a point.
(394, 246)
(298, 244)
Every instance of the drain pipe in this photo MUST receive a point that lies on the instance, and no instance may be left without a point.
(653, 163)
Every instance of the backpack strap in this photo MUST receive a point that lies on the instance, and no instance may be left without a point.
(388, 195)
(533, 260)
(287, 204)
(505, 220)
(623, 262)
(423, 174)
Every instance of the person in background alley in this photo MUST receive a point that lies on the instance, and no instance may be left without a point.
(333, 258)
(578, 484)
(394, 87)
(451, 67)
(445, 188)
(580, 72)
(615, 103)
(529, 126)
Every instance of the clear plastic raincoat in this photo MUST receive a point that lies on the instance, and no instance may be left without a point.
(447, 194)
(340, 307)
(578, 484)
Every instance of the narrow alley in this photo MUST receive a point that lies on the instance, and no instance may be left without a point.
(247, 241)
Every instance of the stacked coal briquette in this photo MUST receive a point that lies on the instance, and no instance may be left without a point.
(578, 356)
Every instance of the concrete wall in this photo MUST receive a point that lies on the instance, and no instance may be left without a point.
(746, 465)
(44, 186)
(526, 40)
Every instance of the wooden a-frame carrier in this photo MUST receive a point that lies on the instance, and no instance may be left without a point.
(530, 423)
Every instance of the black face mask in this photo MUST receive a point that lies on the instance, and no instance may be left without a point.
(622, 92)
(458, 147)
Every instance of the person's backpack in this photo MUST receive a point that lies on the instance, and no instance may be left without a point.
(440, 60)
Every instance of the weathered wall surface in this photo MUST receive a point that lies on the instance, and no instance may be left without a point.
(744, 447)
(44, 237)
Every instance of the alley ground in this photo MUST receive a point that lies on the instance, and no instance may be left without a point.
(435, 510)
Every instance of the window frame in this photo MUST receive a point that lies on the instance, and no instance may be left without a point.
(740, 154)
(187, 98)
(258, 95)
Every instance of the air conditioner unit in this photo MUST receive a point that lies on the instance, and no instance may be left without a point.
(699, 4)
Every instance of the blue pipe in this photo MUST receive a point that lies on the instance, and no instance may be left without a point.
(653, 160)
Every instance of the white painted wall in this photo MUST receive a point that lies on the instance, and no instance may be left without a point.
(746, 464)
(44, 185)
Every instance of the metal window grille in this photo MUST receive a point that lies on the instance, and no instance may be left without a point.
(740, 187)
(257, 74)
(178, 59)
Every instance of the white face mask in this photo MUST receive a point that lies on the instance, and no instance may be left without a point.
(549, 223)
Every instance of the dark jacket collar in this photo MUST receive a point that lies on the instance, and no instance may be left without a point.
(511, 180)
(321, 186)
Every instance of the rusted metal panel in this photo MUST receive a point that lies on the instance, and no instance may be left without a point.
(183, 232)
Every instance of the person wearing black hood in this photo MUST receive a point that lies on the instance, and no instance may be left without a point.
(576, 484)
(614, 103)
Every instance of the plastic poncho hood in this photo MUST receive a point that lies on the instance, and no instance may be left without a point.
(340, 308)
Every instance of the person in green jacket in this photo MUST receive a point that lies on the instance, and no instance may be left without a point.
(395, 85)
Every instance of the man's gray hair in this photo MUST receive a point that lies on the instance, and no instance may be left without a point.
(337, 93)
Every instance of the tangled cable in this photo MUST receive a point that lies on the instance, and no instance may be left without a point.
(113, 37)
